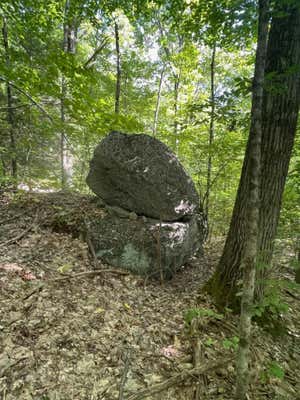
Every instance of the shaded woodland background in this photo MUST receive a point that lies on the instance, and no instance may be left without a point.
(180, 71)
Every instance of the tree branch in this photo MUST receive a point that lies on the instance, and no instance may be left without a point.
(98, 50)
(26, 95)
(4, 109)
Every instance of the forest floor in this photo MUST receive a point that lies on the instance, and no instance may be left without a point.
(68, 332)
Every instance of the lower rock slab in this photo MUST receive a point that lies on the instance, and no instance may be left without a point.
(143, 246)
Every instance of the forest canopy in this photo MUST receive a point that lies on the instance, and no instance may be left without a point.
(61, 62)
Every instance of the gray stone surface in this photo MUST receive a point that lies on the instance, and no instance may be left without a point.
(145, 246)
(141, 174)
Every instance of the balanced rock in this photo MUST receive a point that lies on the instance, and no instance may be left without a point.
(145, 246)
(141, 174)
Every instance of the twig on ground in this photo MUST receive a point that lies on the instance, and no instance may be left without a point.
(38, 289)
(20, 236)
(92, 249)
(178, 379)
(10, 364)
(89, 273)
(172, 360)
(12, 218)
(176, 362)
(124, 375)
(90, 245)
(147, 277)
(292, 294)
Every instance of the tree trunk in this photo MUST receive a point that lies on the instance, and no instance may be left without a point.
(175, 106)
(248, 261)
(280, 110)
(10, 113)
(69, 46)
(297, 275)
(211, 131)
(118, 82)
(158, 101)
(3, 167)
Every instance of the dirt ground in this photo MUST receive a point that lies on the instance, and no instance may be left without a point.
(68, 331)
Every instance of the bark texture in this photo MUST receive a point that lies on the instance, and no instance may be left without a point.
(248, 261)
(280, 110)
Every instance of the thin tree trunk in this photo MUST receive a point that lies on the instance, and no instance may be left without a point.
(3, 169)
(69, 46)
(118, 82)
(10, 112)
(280, 110)
(297, 275)
(248, 262)
(156, 113)
(211, 130)
(175, 107)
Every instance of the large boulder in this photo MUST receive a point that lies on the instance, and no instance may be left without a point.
(142, 245)
(141, 174)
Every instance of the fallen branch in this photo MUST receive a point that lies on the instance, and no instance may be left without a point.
(178, 379)
(18, 237)
(38, 289)
(89, 273)
(91, 246)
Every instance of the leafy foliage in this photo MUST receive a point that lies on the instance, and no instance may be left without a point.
(192, 313)
(151, 37)
(176, 37)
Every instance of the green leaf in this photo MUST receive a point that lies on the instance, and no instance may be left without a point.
(65, 268)
(275, 370)
(231, 343)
